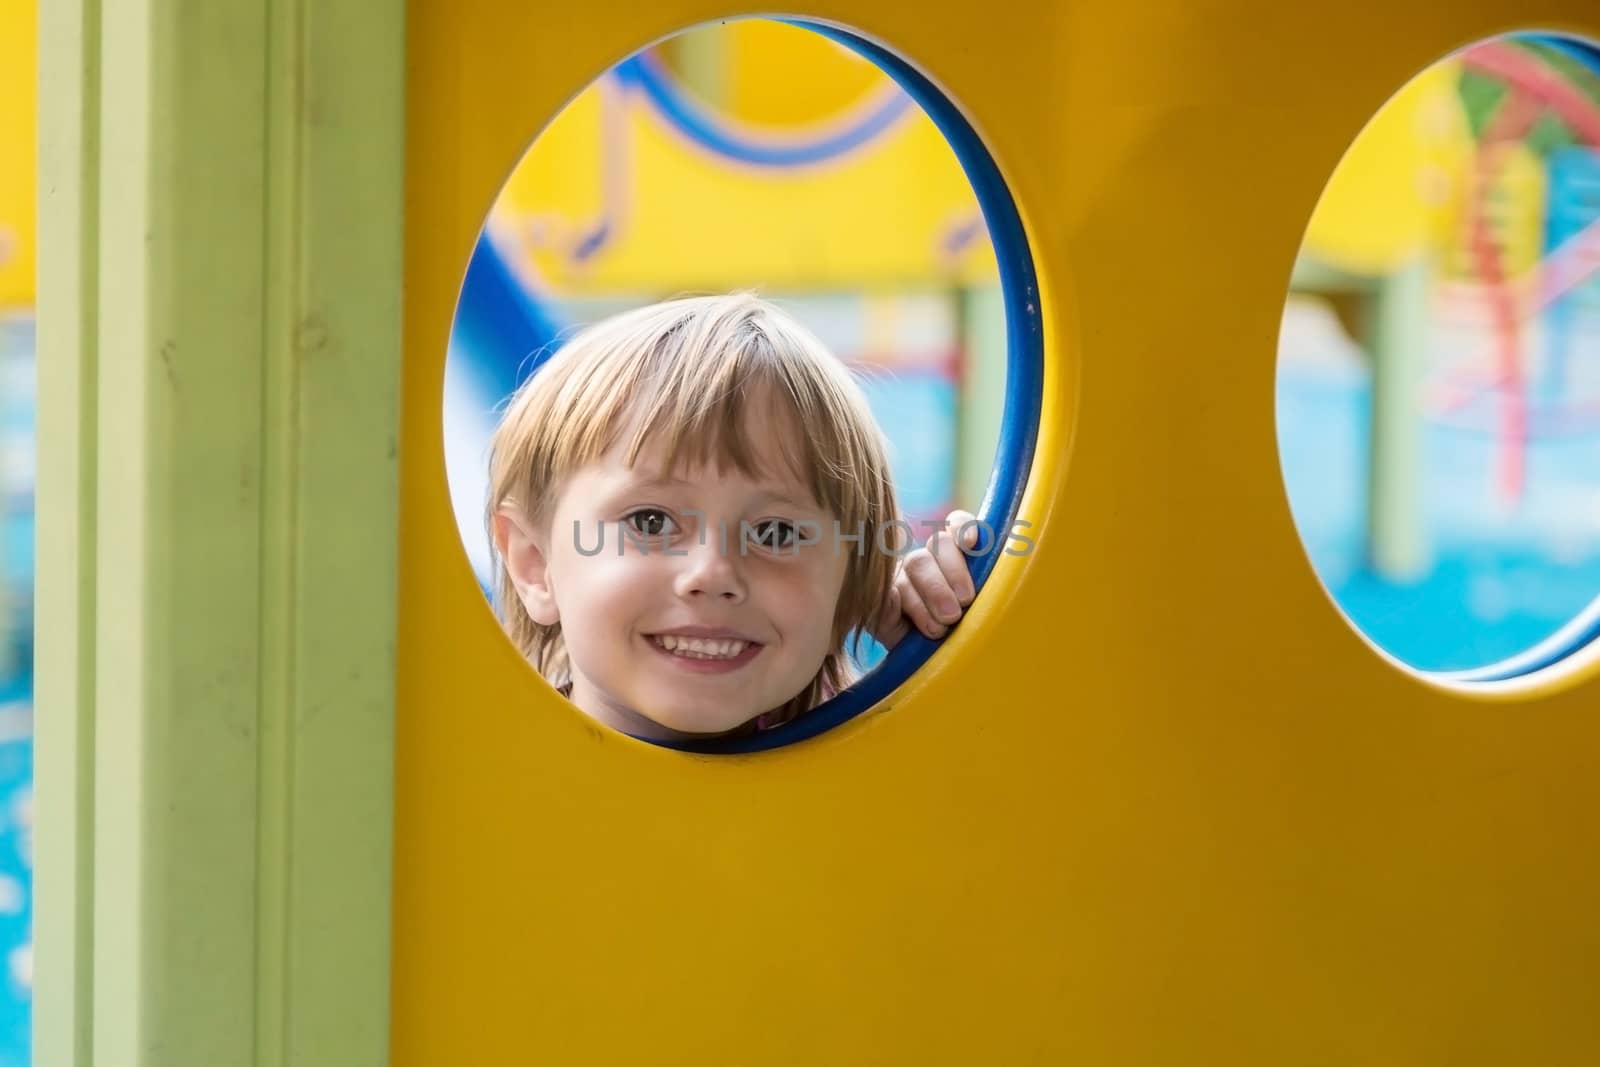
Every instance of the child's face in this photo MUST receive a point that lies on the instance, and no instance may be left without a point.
(766, 611)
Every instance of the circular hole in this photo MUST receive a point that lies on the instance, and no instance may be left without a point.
(1438, 391)
(870, 215)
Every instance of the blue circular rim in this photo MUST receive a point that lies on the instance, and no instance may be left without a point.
(702, 128)
(1019, 426)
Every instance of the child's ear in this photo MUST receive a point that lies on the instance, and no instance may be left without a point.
(525, 561)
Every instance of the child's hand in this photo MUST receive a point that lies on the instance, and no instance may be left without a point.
(932, 586)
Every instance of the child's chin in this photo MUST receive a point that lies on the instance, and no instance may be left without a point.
(696, 722)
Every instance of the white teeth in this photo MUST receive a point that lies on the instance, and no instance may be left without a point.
(701, 648)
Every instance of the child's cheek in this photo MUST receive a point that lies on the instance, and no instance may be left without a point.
(613, 582)
(803, 587)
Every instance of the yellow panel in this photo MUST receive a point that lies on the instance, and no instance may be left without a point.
(1153, 802)
(19, 39)
(781, 74)
(1398, 192)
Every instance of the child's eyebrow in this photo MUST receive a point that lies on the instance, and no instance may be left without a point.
(783, 496)
(767, 494)
(659, 481)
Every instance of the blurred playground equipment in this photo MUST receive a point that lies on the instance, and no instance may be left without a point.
(1445, 468)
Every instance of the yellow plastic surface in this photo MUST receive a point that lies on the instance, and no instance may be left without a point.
(1154, 801)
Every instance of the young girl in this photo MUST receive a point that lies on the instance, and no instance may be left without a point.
(691, 510)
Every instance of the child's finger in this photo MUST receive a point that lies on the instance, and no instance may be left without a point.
(963, 524)
(951, 559)
(916, 609)
(927, 579)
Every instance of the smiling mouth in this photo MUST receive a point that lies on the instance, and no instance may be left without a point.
(701, 648)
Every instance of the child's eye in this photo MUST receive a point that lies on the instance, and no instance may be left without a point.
(776, 534)
(652, 522)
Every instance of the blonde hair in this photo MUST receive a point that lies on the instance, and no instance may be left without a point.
(685, 369)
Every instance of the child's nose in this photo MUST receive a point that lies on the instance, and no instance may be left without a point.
(708, 571)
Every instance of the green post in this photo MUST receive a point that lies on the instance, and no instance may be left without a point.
(983, 391)
(1396, 535)
(64, 598)
(219, 337)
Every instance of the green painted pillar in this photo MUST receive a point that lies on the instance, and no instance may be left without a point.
(983, 391)
(1398, 334)
(219, 338)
